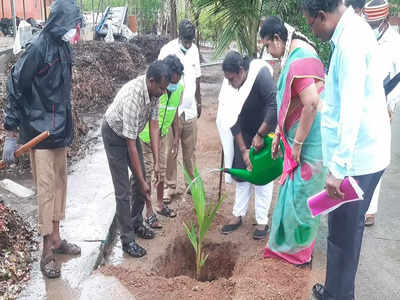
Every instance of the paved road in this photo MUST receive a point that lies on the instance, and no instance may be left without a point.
(379, 271)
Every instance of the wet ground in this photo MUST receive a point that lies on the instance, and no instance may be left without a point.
(91, 207)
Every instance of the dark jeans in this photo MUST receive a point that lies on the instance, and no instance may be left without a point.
(346, 228)
(128, 195)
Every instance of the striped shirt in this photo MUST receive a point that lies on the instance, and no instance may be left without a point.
(132, 108)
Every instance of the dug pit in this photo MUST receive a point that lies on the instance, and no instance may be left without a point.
(179, 260)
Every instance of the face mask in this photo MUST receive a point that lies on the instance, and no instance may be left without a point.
(184, 49)
(69, 35)
(172, 87)
(377, 32)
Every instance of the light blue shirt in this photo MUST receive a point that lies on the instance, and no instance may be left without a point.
(355, 125)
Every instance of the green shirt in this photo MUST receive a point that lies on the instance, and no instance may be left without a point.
(167, 110)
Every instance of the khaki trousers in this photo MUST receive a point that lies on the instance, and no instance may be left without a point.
(187, 133)
(49, 170)
(148, 159)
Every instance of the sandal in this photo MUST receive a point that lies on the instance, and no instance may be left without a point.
(228, 228)
(318, 291)
(153, 222)
(67, 248)
(49, 267)
(144, 232)
(260, 234)
(167, 212)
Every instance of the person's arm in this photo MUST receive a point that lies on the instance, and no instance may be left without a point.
(155, 140)
(20, 80)
(309, 97)
(236, 132)
(351, 85)
(267, 95)
(175, 142)
(351, 65)
(198, 76)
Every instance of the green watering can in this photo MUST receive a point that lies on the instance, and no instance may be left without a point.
(265, 169)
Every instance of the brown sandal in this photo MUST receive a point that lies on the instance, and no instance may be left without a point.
(67, 248)
(49, 267)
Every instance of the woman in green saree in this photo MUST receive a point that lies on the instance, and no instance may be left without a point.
(294, 230)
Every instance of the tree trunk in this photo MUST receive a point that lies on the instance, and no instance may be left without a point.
(173, 28)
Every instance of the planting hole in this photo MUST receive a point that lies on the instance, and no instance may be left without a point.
(179, 260)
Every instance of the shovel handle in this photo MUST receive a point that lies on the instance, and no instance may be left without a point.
(26, 147)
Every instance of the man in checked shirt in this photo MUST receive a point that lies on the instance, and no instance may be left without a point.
(134, 105)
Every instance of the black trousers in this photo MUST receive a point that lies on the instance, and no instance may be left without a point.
(128, 195)
(346, 228)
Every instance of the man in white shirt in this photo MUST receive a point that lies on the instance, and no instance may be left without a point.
(189, 109)
(377, 15)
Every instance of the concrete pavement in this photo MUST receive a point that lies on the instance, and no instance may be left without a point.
(89, 216)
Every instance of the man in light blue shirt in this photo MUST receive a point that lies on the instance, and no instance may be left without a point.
(355, 133)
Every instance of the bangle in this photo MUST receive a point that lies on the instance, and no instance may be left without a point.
(260, 135)
(297, 142)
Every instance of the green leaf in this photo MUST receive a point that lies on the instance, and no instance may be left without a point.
(191, 235)
(198, 193)
(210, 218)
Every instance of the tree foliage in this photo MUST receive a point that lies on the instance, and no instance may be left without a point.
(239, 22)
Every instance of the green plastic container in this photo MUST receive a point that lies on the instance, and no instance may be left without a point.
(265, 169)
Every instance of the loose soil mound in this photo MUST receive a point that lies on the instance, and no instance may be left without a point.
(17, 240)
(257, 279)
(151, 45)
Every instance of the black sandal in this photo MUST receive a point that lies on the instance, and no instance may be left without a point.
(145, 233)
(153, 222)
(260, 234)
(318, 291)
(228, 228)
(167, 212)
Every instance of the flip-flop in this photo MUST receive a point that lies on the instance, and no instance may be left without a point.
(167, 212)
(49, 267)
(67, 248)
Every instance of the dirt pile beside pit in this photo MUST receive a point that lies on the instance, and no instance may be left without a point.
(151, 45)
(17, 241)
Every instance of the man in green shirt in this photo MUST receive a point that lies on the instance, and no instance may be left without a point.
(167, 120)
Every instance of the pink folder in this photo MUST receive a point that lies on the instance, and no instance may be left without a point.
(322, 204)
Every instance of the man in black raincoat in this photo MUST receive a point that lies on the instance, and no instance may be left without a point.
(38, 90)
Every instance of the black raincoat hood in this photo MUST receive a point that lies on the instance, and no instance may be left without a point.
(64, 15)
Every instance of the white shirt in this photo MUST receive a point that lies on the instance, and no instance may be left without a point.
(191, 64)
(389, 50)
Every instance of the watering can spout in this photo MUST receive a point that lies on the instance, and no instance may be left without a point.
(242, 174)
(265, 169)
